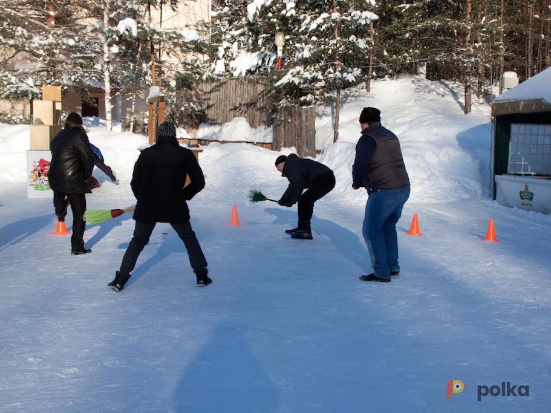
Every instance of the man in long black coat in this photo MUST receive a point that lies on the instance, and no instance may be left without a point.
(70, 169)
(303, 174)
(158, 185)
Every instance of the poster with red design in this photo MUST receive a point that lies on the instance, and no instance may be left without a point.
(38, 164)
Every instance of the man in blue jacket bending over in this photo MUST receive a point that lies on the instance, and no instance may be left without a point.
(304, 174)
(379, 168)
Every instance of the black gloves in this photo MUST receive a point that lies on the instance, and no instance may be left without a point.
(284, 203)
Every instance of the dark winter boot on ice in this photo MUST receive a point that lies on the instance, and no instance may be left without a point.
(394, 272)
(80, 251)
(203, 280)
(371, 277)
(118, 283)
(302, 234)
(291, 231)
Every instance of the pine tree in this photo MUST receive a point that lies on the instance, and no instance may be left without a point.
(324, 49)
(43, 43)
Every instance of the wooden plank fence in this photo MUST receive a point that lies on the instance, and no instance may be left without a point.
(226, 99)
(295, 126)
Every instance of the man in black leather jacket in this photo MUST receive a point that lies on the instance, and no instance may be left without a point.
(304, 174)
(71, 167)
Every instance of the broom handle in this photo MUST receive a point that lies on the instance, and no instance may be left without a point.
(273, 200)
(129, 209)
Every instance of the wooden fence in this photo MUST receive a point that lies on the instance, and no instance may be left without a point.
(295, 126)
(226, 99)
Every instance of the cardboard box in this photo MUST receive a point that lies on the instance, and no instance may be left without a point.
(45, 111)
(42, 135)
(52, 93)
(57, 114)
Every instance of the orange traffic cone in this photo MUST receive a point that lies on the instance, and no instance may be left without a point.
(234, 220)
(60, 229)
(491, 233)
(414, 229)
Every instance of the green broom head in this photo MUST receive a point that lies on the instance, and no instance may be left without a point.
(95, 216)
(256, 196)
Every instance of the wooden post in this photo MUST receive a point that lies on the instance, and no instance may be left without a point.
(156, 108)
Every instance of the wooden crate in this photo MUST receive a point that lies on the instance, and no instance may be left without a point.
(45, 111)
(52, 93)
(42, 135)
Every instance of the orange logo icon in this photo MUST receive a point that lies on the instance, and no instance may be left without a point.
(455, 386)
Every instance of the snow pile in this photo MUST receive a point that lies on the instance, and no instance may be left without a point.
(14, 142)
(447, 153)
(237, 130)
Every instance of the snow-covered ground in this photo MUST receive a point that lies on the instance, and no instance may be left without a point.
(286, 326)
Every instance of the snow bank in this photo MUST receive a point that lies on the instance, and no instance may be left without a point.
(14, 142)
(237, 130)
(447, 153)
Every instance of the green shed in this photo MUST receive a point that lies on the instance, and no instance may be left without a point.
(521, 150)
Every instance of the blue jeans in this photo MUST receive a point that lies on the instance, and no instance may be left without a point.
(382, 212)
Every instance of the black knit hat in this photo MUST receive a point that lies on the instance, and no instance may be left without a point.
(74, 117)
(370, 115)
(280, 158)
(167, 130)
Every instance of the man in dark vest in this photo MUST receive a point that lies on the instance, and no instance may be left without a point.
(158, 185)
(304, 174)
(379, 167)
(70, 170)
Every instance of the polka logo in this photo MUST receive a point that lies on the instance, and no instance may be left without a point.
(455, 386)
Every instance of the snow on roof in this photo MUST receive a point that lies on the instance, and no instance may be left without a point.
(537, 87)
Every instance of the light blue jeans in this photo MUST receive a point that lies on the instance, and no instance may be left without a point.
(382, 212)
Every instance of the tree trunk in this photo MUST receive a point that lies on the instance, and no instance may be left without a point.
(368, 82)
(153, 79)
(133, 106)
(501, 53)
(548, 40)
(481, 68)
(107, 68)
(540, 41)
(160, 43)
(338, 99)
(468, 65)
(51, 12)
(530, 46)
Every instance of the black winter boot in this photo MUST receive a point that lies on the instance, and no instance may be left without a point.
(118, 283)
(80, 251)
(203, 280)
(302, 234)
(291, 231)
(373, 277)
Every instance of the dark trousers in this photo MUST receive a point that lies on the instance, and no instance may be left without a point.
(143, 231)
(319, 187)
(78, 206)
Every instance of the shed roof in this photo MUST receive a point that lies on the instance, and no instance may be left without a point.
(532, 95)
